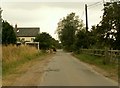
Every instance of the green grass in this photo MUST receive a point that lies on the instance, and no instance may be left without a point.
(111, 68)
(15, 56)
(9, 68)
(119, 69)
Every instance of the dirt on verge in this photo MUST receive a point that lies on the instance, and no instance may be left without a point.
(28, 74)
(112, 75)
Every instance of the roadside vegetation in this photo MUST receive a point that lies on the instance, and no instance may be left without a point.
(110, 70)
(46, 41)
(74, 36)
(13, 56)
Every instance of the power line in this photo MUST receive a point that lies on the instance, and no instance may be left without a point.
(88, 6)
(95, 3)
(82, 14)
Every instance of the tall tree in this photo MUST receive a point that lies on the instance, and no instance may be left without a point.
(81, 40)
(45, 40)
(109, 27)
(56, 44)
(97, 35)
(67, 29)
(8, 34)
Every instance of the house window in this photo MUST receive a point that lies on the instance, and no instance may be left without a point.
(18, 39)
(32, 39)
(23, 39)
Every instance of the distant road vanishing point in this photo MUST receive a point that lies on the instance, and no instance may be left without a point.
(62, 69)
(65, 70)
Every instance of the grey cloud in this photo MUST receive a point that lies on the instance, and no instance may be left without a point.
(37, 5)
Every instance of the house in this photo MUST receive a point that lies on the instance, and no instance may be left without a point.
(26, 34)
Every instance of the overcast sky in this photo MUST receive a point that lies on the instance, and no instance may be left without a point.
(46, 15)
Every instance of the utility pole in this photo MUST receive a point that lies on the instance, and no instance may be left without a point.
(86, 18)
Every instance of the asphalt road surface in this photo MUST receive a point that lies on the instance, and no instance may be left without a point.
(65, 70)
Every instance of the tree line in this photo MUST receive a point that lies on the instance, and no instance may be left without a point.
(45, 39)
(73, 35)
(72, 32)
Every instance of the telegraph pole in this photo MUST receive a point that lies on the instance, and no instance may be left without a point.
(86, 18)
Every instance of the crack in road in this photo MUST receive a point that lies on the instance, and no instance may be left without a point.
(51, 69)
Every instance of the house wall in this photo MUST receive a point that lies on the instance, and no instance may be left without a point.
(28, 39)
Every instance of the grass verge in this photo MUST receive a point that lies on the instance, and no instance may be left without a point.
(111, 69)
(13, 56)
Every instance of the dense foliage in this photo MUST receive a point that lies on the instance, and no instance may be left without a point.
(67, 29)
(8, 34)
(73, 36)
(46, 41)
(107, 32)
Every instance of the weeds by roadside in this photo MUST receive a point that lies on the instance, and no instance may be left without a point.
(111, 69)
(13, 56)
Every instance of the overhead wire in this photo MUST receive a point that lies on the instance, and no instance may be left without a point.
(95, 4)
(82, 14)
(92, 5)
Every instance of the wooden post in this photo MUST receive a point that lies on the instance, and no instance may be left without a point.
(106, 59)
(111, 56)
(38, 46)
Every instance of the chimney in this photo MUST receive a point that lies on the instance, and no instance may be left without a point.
(16, 29)
(15, 26)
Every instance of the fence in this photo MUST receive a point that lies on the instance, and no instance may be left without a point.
(110, 55)
(34, 44)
